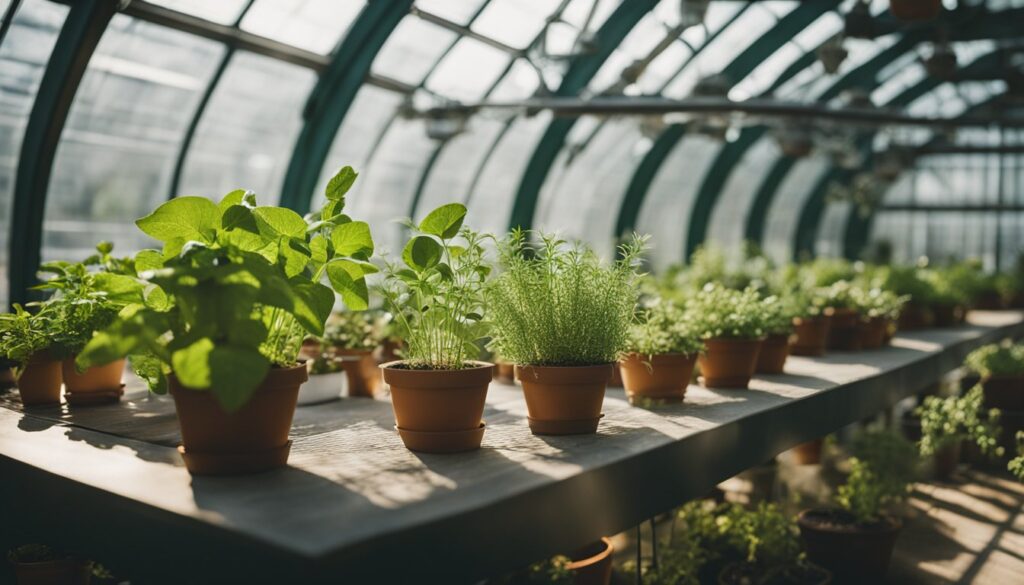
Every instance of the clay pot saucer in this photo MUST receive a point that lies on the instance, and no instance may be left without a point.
(442, 441)
(94, 397)
(239, 463)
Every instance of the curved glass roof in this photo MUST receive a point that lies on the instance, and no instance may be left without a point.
(192, 97)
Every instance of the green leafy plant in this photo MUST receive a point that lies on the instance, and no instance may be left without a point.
(957, 418)
(557, 304)
(779, 313)
(356, 330)
(864, 495)
(436, 294)
(893, 458)
(825, 272)
(763, 535)
(997, 359)
(1016, 465)
(663, 329)
(553, 571)
(235, 290)
(325, 362)
(905, 281)
(876, 302)
(716, 311)
(841, 295)
(23, 334)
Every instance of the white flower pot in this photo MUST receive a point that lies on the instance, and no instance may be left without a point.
(323, 388)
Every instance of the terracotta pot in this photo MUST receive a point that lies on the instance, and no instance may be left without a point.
(945, 314)
(915, 316)
(592, 564)
(58, 572)
(808, 453)
(844, 334)
(616, 380)
(774, 352)
(989, 301)
(564, 400)
(946, 460)
(7, 378)
(872, 332)
(97, 385)
(729, 363)
(40, 381)
(504, 372)
(361, 369)
(310, 350)
(961, 314)
(253, 438)
(891, 328)
(657, 377)
(439, 411)
(915, 10)
(852, 551)
(811, 335)
(1004, 392)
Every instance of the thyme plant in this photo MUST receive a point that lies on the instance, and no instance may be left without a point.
(718, 312)
(664, 328)
(558, 304)
(956, 418)
(436, 294)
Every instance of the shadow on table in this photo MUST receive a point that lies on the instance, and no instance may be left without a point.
(145, 451)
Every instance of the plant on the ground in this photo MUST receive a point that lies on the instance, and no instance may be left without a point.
(876, 302)
(865, 495)
(436, 293)
(357, 330)
(997, 359)
(718, 312)
(239, 289)
(892, 457)
(1016, 465)
(663, 329)
(558, 304)
(956, 418)
(761, 536)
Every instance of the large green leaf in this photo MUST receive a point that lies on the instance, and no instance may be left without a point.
(295, 254)
(340, 183)
(148, 260)
(182, 218)
(312, 304)
(239, 217)
(119, 288)
(318, 249)
(355, 268)
(354, 292)
(274, 222)
(233, 198)
(235, 373)
(192, 364)
(353, 238)
(445, 221)
(422, 253)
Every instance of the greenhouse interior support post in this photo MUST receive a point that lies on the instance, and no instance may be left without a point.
(581, 71)
(332, 96)
(78, 38)
(204, 100)
(8, 18)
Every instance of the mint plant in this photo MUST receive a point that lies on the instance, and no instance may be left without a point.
(235, 290)
(718, 312)
(436, 293)
(663, 329)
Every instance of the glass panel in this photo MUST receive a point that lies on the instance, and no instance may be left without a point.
(23, 57)
(521, 82)
(220, 11)
(780, 226)
(728, 219)
(412, 49)
(468, 71)
(314, 25)
(514, 22)
(118, 148)
(665, 213)
(246, 136)
(458, 11)
(832, 229)
(457, 164)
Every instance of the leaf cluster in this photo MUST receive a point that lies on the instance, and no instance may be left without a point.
(865, 495)
(1016, 465)
(23, 334)
(558, 304)
(876, 302)
(957, 418)
(359, 330)
(663, 328)
(997, 359)
(436, 293)
(716, 312)
(234, 290)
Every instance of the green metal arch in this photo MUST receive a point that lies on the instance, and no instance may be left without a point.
(580, 72)
(78, 38)
(331, 98)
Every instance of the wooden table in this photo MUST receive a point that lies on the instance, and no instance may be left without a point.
(355, 506)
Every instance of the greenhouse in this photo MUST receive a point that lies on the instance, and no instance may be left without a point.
(589, 292)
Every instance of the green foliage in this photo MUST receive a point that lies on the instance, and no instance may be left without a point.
(663, 328)
(997, 359)
(906, 281)
(23, 334)
(557, 304)
(553, 571)
(355, 329)
(779, 313)
(763, 536)
(943, 289)
(841, 295)
(1016, 465)
(234, 291)
(436, 294)
(957, 418)
(716, 311)
(876, 302)
(325, 362)
(865, 495)
(33, 553)
(893, 458)
(825, 272)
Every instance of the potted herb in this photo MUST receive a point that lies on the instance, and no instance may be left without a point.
(732, 325)
(1016, 465)
(778, 325)
(589, 565)
(228, 302)
(436, 296)
(87, 297)
(562, 316)
(327, 381)
(26, 341)
(879, 310)
(841, 303)
(907, 281)
(1001, 371)
(661, 354)
(38, 564)
(808, 453)
(504, 371)
(352, 336)
(947, 422)
(945, 301)
(812, 322)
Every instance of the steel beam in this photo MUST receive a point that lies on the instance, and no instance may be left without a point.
(84, 25)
